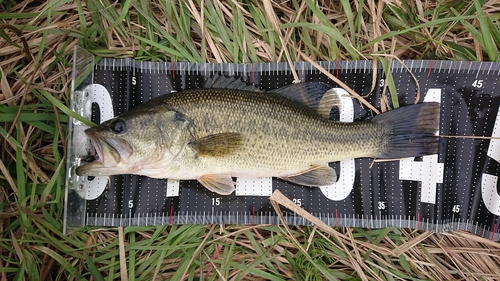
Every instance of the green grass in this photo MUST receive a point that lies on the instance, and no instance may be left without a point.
(34, 111)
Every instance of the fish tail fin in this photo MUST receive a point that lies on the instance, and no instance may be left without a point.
(410, 131)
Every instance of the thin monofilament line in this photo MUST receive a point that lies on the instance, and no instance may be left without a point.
(470, 137)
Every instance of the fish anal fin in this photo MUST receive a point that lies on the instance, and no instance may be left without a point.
(217, 145)
(315, 176)
(221, 184)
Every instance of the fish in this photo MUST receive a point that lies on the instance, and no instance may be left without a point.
(214, 134)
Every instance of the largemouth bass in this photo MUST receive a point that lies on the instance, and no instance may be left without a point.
(212, 135)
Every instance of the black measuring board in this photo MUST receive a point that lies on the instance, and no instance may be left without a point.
(455, 189)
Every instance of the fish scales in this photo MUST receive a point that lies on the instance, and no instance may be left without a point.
(279, 133)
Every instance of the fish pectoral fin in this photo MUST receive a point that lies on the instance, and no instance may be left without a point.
(221, 184)
(217, 145)
(315, 176)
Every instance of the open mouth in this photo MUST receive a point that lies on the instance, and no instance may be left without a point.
(107, 155)
(109, 151)
(96, 147)
(101, 157)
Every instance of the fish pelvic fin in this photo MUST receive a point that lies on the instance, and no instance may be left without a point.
(410, 131)
(315, 176)
(217, 145)
(221, 184)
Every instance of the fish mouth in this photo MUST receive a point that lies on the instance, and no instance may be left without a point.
(110, 153)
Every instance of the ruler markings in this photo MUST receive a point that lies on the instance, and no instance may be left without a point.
(468, 69)
(489, 68)
(493, 231)
(430, 68)
(280, 69)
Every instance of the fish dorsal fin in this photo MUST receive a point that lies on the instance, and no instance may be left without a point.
(317, 95)
(312, 94)
(221, 184)
(315, 176)
(329, 100)
(217, 145)
(232, 82)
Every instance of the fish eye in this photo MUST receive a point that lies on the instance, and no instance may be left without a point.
(118, 126)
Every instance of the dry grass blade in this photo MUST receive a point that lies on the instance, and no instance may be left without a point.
(341, 84)
(5, 87)
(411, 243)
(123, 258)
(273, 19)
(277, 198)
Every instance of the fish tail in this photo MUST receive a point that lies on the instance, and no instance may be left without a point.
(410, 131)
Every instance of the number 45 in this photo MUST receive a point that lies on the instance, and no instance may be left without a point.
(477, 83)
